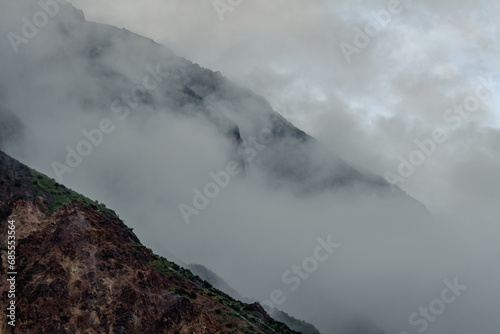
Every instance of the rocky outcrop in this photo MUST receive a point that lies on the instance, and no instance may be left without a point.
(81, 270)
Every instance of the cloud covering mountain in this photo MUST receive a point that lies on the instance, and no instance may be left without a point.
(163, 127)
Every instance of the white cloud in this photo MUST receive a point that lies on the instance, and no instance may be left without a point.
(369, 112)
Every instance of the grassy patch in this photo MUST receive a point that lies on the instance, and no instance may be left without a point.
(58, 195)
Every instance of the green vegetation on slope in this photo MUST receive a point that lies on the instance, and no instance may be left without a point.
(59, 195)
(238, 309)
(55, 196)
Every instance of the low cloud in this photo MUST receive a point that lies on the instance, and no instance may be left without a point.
(393, 258)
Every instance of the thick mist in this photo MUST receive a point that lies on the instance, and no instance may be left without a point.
(388, 257)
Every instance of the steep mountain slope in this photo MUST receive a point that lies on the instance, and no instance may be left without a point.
(81, 270)
(169, 125)
(92, 64)
(214, 279)
(220, 284)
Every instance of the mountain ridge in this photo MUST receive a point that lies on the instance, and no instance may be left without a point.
(69, 77)
(219, 283)
(290, 155)
(82, 270)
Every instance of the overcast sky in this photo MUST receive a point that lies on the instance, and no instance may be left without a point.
(370, 111)
(395, 90)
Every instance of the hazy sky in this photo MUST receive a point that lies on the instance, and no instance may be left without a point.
(397, 89)
(370, 111)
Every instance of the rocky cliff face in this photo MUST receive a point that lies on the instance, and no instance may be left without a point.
(81, 270)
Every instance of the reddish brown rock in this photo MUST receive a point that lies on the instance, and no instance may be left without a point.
(81, 270)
